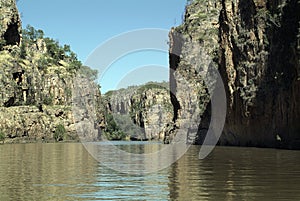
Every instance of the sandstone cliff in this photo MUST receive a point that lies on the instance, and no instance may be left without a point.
(10, 23)
(260, 64)
(36, 81)
(256, 47)
(147, 108)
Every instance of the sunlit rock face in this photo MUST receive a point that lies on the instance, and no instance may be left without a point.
(148, 107)
(36, 92)
(256, 47)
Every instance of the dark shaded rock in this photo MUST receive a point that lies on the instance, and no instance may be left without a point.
(10, 23)
(259, 62)
(256, 46)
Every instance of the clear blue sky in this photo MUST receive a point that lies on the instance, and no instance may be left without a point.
(86, 24)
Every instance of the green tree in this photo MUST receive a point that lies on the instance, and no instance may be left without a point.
(55, 52)
(31, 34)
(112, 130)
(53, 49)
(75, 65)
(67, 50)
(111, 124)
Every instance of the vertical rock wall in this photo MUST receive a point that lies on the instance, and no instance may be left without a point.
(256, 47)
(260, 63)
(10, 23)
(148, 107)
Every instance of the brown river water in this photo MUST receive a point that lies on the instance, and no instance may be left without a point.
(66, 171)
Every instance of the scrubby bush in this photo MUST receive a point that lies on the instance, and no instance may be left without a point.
(89, 73)
(59, 133)
(30, 34)
(112, 130)
(48, 100)
(2, 137)
(23, 52)
(43, 62)
(55, 52)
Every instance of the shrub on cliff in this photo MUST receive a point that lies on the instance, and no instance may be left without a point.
(89, 73)
(30, 34)
(59, 133)
(55, 51)
(2, 43)
(112, 130)
(2, 136)
(48, 100)
(153, 85)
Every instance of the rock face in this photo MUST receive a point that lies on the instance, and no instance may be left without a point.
(259, 61)
(86, 107)
(147, 106)
(33, 101)
(256, 47)
(29, 124)
(25, 83)
(120, 100)
(36, 81)
(193, 50)
(10, 23)
(151, 110)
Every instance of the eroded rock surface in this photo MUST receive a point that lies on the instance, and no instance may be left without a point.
(147, 106)
(37, 78)
(256, 47)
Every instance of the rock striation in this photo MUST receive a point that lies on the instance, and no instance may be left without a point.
(193, 51)
(29, 124)
(37, 78)
(256, 47)
(147, 107)
(259, 62)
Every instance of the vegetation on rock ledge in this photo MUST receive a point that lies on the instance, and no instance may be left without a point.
(36, 77)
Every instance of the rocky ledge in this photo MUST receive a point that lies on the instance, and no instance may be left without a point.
(37, 81)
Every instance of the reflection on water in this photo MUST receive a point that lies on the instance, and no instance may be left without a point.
(45, 171)
(136, 157)
(237, 174)
(68, 172)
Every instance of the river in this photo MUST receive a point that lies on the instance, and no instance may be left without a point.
(66, 171)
